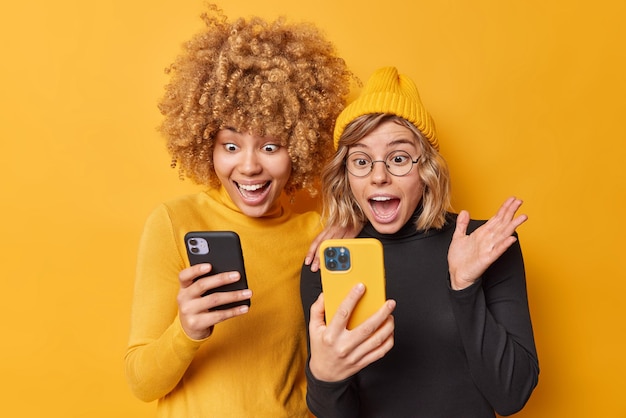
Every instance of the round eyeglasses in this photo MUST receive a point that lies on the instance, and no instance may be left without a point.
(398, 163)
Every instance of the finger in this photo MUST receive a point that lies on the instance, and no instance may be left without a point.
(340, 320)
(510, 227)
(327, 233)
(215, 317)
(520, 220)
(195, 299)
(312, 253)
(312, 257)
(384, 331)
(217, 299)
(224, 314)
(509, 208)
(372, 324)
(503, 245)
(204, 284)
(315, 264)
(378, 351)
(504, 221)
(200, 325)
(187, 276)
(375, 345)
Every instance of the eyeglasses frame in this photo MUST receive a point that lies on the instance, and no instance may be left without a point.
(413, 162)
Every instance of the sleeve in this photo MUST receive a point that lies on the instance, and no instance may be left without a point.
(494, 322)
(159, 352)
(324, 399)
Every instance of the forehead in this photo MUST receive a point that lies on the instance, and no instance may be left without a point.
(232, 134)
(386, 137)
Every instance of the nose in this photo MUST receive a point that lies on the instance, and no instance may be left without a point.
(379, 174)
(250, 163)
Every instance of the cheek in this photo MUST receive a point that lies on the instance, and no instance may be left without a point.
(414, 191)
(355, 188)
(221, 167)
(220, 160)
(281, 168)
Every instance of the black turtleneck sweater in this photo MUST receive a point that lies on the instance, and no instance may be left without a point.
(462, 353)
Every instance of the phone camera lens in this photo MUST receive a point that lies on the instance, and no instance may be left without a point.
(342, 258)
(332, 264)
(194, 250)
(330, 252)
(193, 241)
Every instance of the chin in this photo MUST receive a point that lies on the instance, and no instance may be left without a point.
(254, 211)
(390, 228)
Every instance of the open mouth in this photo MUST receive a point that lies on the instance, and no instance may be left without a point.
(384, 208)
(253, 191)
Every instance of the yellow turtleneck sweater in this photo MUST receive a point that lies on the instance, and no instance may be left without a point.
(252, 365)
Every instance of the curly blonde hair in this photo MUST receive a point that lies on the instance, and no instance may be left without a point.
(340, 206)
(277, 79)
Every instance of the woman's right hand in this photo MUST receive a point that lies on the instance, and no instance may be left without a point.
(338, 353)
(196, 312)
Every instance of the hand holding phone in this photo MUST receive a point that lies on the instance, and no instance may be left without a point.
(343, 264)
(222, 249)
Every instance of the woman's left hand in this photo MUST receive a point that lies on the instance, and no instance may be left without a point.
(470, 255)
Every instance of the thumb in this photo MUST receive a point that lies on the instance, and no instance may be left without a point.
(317, 313)
(462, 221)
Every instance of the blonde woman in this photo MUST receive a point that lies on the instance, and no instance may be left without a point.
(455, 337)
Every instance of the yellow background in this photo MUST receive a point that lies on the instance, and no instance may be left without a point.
(529, 99)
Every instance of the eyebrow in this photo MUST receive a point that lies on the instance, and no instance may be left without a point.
(395, 142)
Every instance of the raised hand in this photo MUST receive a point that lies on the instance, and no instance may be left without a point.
(470, 255)
(195, 311)
(336, 352)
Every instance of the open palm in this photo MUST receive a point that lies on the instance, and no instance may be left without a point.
(470, 255)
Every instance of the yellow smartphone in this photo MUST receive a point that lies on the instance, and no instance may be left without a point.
(346, 262)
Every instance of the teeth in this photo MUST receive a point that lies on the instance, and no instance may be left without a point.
(381, 198)
(251, 187)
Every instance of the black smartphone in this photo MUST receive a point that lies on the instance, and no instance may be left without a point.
(223, 250)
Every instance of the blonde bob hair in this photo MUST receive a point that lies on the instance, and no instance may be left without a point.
(272, 79)
(340, 206)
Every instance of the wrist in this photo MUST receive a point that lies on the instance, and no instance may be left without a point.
(457, 284)
(315, 371)
(320, 374)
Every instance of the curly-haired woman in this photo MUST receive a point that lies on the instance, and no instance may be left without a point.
(248, 112)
